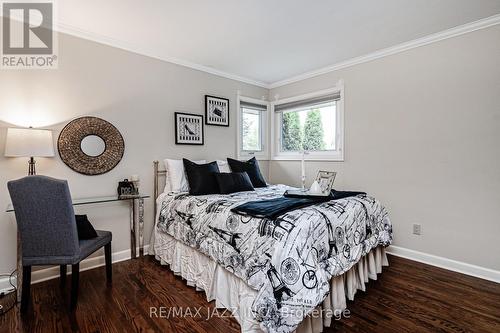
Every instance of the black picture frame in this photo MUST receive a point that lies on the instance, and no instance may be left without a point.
(194, 122)
(223, 103)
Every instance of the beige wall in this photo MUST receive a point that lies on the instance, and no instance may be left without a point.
(422, 135)
(135, 93)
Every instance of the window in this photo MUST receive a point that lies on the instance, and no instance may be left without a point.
(252, 120)
(309, 129)
(311, 124)
(251, 128)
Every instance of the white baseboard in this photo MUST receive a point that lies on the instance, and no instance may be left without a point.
(53, 272)
(449, 264)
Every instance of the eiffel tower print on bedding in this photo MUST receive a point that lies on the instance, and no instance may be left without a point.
(290, 260)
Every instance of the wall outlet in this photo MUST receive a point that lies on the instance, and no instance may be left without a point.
(417, 229)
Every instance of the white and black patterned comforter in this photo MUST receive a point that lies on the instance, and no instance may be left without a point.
(290, 260)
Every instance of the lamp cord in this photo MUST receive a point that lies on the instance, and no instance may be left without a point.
(3, 311)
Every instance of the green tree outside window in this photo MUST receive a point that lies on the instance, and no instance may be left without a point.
(292, 132)
(313, 132)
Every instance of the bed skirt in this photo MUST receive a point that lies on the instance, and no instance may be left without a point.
(230, 292)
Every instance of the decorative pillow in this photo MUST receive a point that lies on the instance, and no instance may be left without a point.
(233, 182)
(201, 177)
(223, 166)
(176, 175)
(251, 167)
(84, 227)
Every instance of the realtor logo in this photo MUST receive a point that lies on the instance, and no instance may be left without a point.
(28, 38)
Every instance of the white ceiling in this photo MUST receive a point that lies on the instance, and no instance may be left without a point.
(265, 41)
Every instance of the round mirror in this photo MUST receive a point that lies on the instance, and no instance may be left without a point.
(93, 145)
(90, 145)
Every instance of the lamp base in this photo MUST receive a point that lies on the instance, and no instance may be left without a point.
(31, 167)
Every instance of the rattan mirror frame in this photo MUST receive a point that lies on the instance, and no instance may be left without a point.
(70, 151)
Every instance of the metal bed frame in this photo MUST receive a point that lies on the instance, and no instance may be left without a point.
(157, 174)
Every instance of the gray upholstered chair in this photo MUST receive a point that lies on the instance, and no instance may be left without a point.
(47, 227)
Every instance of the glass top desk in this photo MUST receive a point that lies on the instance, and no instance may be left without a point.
(136, 216)
(136, 223)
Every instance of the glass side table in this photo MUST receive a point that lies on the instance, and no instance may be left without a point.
(136, 224)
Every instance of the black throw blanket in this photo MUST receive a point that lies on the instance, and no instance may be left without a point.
(274, 208)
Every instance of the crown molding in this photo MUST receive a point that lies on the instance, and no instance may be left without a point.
(436, 37)
(113, 42)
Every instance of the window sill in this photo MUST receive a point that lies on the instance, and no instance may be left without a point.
(333, 156)
(299, 158)
(260, 157)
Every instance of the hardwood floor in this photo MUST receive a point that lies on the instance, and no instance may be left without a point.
(407, 297)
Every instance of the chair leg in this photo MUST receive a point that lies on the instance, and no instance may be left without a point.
(63, 275)
(25, 297)
(107, 256)
(75, 272)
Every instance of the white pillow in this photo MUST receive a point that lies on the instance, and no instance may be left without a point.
(223, 166)
(176, 176)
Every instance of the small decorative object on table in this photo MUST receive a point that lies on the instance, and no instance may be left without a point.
(216, 111)
(188, 129)
(135, 180)
(315, 188)
(126, 189)
(325, 180)
(320, 188)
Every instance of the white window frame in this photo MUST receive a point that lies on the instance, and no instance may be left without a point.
(264, 121)
(330, 155)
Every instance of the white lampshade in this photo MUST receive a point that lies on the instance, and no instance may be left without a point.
(29, 142)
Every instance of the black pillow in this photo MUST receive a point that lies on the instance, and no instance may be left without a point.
(84, 227)
(233, 182)
(251, 167)
(201, 177)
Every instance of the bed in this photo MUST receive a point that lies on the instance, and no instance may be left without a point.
(291, 273)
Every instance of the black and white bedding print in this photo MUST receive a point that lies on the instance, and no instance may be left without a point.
(288, 261)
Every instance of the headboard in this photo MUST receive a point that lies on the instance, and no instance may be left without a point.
(157, 174)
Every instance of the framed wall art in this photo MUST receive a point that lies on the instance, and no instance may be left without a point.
(188, 129)
(90, 146)
(216, 111)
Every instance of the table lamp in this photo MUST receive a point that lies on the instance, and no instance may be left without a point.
(29, 142)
